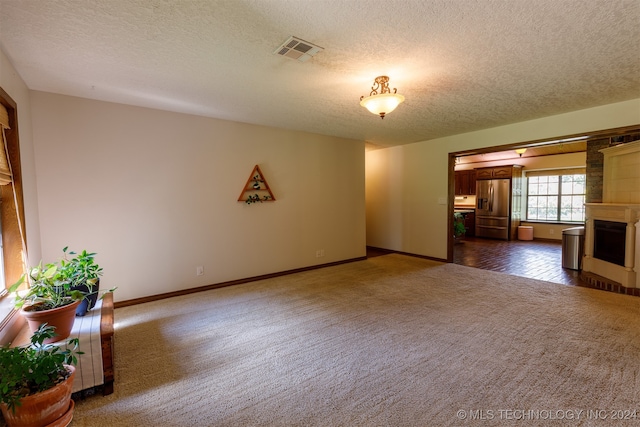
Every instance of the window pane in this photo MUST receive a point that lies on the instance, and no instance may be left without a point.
(542, 202)
(579, 187)
(552, 213)
(543, 189)
(578, 214)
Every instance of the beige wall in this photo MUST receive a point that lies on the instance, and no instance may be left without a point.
(155, 194)
(407, 186)
(548, 231)
(13, 85)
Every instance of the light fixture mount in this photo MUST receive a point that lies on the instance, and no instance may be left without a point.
(381, 100)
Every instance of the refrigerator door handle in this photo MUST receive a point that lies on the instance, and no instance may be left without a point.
(491, 198)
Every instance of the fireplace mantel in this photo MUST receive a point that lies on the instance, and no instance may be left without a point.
(628, 214)
(619, 212)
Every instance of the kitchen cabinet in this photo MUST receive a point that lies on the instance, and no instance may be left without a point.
(465, 182)
(470, 224)
(495, 172)
(472, 182)
(469, 220)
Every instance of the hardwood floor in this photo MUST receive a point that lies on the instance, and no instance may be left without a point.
(535, 259)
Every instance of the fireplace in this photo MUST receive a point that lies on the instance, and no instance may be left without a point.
(612, 228)
(609, 241)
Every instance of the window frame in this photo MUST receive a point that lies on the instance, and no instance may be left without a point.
(558, 195)
(13, 226)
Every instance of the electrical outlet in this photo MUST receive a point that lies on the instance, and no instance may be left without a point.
(319, 253)
(199, 270)
(552, 231)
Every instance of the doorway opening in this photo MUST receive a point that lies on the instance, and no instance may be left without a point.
(508, 255)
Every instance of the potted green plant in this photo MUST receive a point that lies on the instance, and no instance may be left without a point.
(48, 299)
(458, 226)
(36, 381)
(83, 275)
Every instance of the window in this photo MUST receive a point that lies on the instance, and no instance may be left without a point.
(558, 198)
(11, 204)
(11, 216)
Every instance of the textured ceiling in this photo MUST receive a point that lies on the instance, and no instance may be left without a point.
(462, 65)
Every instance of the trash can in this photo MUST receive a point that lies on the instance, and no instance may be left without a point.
(572, 247)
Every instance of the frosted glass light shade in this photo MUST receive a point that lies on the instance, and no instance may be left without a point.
(382, 104)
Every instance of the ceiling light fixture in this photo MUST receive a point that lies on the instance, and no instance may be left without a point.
(521, 151)
(381, 101)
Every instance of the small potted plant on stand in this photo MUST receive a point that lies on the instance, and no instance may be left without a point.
(49, 299)
(83, 275)
(36, 381)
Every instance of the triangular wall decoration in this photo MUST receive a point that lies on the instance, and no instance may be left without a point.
(256, 189)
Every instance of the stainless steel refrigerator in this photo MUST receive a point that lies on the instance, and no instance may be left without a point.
(493, 197)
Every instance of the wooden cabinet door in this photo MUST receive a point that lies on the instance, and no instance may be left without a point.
(502, 172)
(484, 173)
(463, 185)
(472, 182)
(457, 182)
(470, 224)
(464, 182)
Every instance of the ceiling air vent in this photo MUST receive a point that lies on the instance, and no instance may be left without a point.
(298, 49)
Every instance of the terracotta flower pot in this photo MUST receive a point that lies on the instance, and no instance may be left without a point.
(52, 407)
(62, 318)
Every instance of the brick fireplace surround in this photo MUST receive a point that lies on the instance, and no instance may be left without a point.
(620, 204)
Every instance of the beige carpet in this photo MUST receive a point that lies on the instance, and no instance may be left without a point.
(390, 341)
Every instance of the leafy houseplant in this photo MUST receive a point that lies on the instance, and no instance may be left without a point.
(49, 299)
(458, 225)
(37, 371)
(83, 274)
(48, 289)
